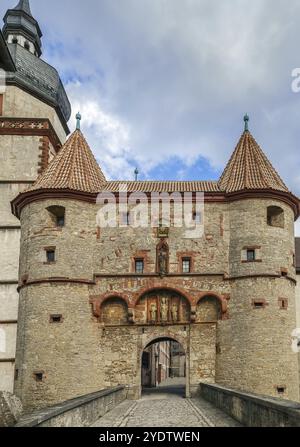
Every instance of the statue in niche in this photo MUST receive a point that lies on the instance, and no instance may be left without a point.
(174, 312)
(162, 261)
(153, 312)
(164, 309)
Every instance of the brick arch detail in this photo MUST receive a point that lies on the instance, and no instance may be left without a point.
(98, 301)
(139, 295)
(221, 299)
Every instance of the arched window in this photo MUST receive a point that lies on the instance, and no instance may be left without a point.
(26, 45)
(275, 216)
(15, 39)
(57, 214)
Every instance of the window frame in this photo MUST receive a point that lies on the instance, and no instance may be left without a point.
(139, 261)
(185, 260)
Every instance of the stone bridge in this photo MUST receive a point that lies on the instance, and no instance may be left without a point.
(166, 406)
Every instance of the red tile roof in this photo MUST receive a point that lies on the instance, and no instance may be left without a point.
(162, 186)
(249, 168)
(74, 168)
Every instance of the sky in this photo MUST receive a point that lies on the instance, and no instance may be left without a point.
(163, 85)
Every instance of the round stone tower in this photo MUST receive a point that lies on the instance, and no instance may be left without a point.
(255, 344)
(58, 221)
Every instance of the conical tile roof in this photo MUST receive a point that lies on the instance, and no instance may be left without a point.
(249, 169)
(74, 168)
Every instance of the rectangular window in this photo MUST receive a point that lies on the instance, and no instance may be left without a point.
(197, 217)
(139, 266)
(281, 389)
(259, 304)
(56, 319)
(186, 265)
(250, 255)
(50, 255)
(38, 376)
(60, 221)
(283, 303)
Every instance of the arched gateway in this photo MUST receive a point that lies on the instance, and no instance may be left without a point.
(163, 366)
(132, 323)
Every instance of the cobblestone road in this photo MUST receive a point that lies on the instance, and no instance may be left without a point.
(166, 407)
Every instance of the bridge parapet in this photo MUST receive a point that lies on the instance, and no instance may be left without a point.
(252, 410)
(79, 412)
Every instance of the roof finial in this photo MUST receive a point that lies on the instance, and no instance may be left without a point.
(136, 173)
(78, 119)
(246, 119)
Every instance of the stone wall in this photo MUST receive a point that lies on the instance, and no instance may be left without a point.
(21, 157)
(252, 410)
(226, 336)
(298, 313)
(80, 412)
(18, 103)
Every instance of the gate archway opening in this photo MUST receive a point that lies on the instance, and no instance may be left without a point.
(164, 367)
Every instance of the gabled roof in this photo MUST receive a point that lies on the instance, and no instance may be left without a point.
(249, 169)
(74, 168)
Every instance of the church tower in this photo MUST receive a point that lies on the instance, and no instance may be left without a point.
(34, 111)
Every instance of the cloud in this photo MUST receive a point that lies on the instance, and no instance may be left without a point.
(164, 84)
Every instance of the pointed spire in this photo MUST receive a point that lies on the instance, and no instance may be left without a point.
(19, 21)
(249, 168)
(74, 168)
(24, 6)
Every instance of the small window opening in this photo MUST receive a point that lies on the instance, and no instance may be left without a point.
(281, 389)
(57, 214)
(275, 216)
(258, 304)
(250, 255)
(283, 303)
(139, 266)
(15, 40)
(26, 45)
(55, 318)
(39, 376)
(186, 265)
(50, 255)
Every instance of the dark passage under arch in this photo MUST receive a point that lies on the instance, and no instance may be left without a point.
(163, 367)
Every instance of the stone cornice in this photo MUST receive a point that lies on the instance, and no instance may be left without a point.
(25, 198)
(56, 280)
(41, 127)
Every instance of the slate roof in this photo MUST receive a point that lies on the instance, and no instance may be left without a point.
(23, 5)
(40, 78)
(74, 168)
(6, 62)
(249, 168)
